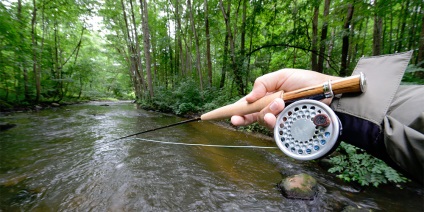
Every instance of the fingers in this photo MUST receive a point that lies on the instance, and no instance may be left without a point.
(267, 116)
(244, 120)
(268, 83)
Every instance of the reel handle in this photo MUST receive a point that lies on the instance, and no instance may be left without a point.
(352, 84)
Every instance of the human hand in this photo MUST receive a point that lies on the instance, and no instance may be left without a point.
(286, 80)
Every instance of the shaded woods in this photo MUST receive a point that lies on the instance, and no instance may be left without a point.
(56, 50)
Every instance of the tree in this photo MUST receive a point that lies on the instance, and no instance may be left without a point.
(234, 63)
(420, 58)
(378, 28)
(346, 34)
(196, 40)
(323, 37)
(208, 44)
(34, 51)
(146, 46)
(314, 55)
(44, 44)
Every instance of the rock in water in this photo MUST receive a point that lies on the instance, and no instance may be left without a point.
(6, 126)
(301, 186)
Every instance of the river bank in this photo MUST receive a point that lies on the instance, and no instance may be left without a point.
(9, 108)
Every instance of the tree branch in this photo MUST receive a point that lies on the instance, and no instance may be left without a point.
(274, 45)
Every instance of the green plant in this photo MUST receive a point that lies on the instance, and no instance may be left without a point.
(185, 98)
(353, 164)
(256, 127)
(414, 74)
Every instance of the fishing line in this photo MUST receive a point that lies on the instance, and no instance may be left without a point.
(205, 145)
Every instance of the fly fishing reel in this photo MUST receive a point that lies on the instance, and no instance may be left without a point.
(307, 130)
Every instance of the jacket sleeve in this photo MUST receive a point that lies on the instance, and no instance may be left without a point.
(386, 120)
(404, 130)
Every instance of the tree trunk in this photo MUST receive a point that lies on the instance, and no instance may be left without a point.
(146, 42)
(138, 65)
(188, 58)
(314, 55)
(234, 65)
(377, 35)
(57, 67)
(405, 14)
(356, 48)
(420, 58)
(43, 36)
(208, 44)
(251, 32)
(170, 50)
(330, 48)
(180, 42)
(243, 42)
(377, 32)
(224, 62)
(412, 34)
(21, 59)
(34, 51)
(130, 59)
(364, 38)
(345, 45)
(196, 40)
(323, 37)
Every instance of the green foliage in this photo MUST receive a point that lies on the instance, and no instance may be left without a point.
(72, 60)
(109, 61)
(185, 98)
(255, 127)
(414, 74)
(353, 164)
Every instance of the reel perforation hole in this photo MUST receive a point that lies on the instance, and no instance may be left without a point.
(299, 136)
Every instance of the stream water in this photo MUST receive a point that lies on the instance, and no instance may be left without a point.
(63, 159)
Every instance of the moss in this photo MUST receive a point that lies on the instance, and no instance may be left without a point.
(301, 186)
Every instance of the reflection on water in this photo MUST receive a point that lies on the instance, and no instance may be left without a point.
(64, 159)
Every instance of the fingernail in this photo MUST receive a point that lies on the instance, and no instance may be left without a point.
(274, 106)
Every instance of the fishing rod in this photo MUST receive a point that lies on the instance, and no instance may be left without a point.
(324, 121)
(159, 128)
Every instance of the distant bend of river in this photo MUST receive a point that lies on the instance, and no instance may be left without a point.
(64, 159)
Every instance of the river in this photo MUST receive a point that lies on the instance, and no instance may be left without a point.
(64, 159)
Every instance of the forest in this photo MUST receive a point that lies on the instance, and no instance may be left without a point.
(186, 57)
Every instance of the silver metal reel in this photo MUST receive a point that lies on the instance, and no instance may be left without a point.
(307, 130)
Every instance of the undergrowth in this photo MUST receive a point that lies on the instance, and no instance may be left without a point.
(186, 98)
(354, 164)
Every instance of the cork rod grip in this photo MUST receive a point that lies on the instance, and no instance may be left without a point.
(241, 107)
(344, 85)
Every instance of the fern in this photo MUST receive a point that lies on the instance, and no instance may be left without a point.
(353, 164)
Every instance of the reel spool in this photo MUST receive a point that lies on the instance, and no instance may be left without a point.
(307, 130)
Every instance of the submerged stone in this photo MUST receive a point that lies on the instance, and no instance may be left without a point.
(300, 186)
(6, 126)
(350, 208)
